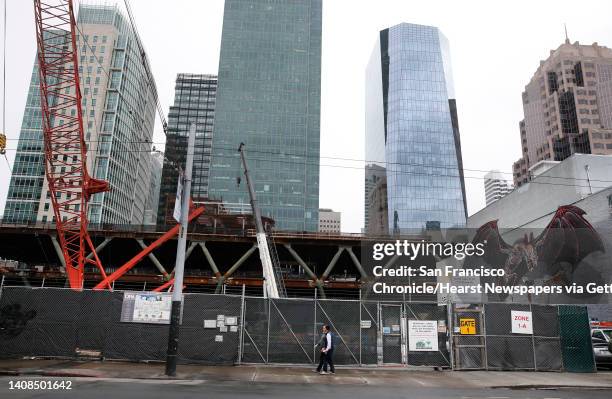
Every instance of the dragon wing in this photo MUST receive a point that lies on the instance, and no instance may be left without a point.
(496, 250)
(569, 237)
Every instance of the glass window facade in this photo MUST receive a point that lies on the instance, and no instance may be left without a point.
(194, 101)
(412, 132)
(269, 98)
(118, 116)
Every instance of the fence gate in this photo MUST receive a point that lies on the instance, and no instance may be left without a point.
(468, 337)
(392, 350)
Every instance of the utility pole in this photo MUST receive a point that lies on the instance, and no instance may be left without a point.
(179, 267)
(269, 285)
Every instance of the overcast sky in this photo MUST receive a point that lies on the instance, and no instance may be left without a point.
(495, 46)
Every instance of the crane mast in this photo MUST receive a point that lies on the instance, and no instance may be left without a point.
(65, 153)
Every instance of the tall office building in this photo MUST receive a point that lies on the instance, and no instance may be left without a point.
(567, 107)
(496, 186)
(269, 98)
(413, 132)
(118, 117)
(194, 102)
(152, 204)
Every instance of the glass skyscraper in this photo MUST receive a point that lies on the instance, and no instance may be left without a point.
(412, 131)
(269, 98)
(194, 102)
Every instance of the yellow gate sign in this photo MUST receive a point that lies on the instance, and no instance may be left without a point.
(467, 326)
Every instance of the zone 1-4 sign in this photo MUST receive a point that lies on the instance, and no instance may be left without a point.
(522, 322)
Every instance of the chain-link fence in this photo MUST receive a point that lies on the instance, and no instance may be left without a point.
(507, 336)
(53, 322)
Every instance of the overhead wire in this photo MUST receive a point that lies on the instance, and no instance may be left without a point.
(366, 161)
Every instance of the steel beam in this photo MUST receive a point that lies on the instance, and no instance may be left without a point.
(357, 264)
(190, 249)
(58, 250)
(331, 265)
(307, 269)
(210, 259)
(131, 263)
(153, 258)
(100, 247)
(234, 267)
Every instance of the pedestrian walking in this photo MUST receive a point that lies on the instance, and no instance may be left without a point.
(328, 351)
(322, 344)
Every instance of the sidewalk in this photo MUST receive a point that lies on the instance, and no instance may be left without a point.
(301, 375)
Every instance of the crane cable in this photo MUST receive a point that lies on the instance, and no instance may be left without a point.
(2, 133)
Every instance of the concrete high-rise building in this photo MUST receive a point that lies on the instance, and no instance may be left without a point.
(412, 130)
(118, 116)
(496, 186)
(194, 102)
(567, 107)
(329, 221)
(152, 205)
(269, 98)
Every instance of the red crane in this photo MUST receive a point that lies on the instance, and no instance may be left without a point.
(65, 152)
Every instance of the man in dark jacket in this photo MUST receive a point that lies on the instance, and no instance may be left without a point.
(328, 350)
(320, 346)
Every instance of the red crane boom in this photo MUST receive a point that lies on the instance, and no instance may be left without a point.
(65, 151)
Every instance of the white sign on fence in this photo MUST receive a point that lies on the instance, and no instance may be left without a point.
(522, 322)
(422, 335)
(152, 308)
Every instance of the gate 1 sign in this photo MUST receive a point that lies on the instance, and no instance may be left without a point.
(467, 326)
(423, 335)
(522, 322)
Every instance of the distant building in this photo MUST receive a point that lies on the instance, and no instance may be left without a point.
(412, 132)
(269, 98)
(194, 101)
(373, 174)
(329, 221)
(567, 107)
(157, 161)
(118, 111)
(582, 180)
(496, 186)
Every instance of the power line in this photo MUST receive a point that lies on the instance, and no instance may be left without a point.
(365, 161)
(341, 159)
(290, 162)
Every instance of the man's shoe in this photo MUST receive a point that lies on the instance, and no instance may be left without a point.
(323, 372)
(316, 371)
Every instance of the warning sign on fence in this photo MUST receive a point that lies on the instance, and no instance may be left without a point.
(522, 322)
(422, 335)
(467, 326)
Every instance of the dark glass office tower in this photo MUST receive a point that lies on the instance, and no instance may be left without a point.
(194, 101)
(269, 98)
(412, 131)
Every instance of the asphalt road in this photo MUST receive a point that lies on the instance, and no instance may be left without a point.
(153, 389)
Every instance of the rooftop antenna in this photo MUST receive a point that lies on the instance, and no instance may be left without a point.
(567, 41)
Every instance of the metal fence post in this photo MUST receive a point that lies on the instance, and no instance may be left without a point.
(242, 327)
(314, 327)
(360, 339)
(2, 285)
(42, 284)
(484, 334)
(449, 326)
(268, 335)
(535, 361)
